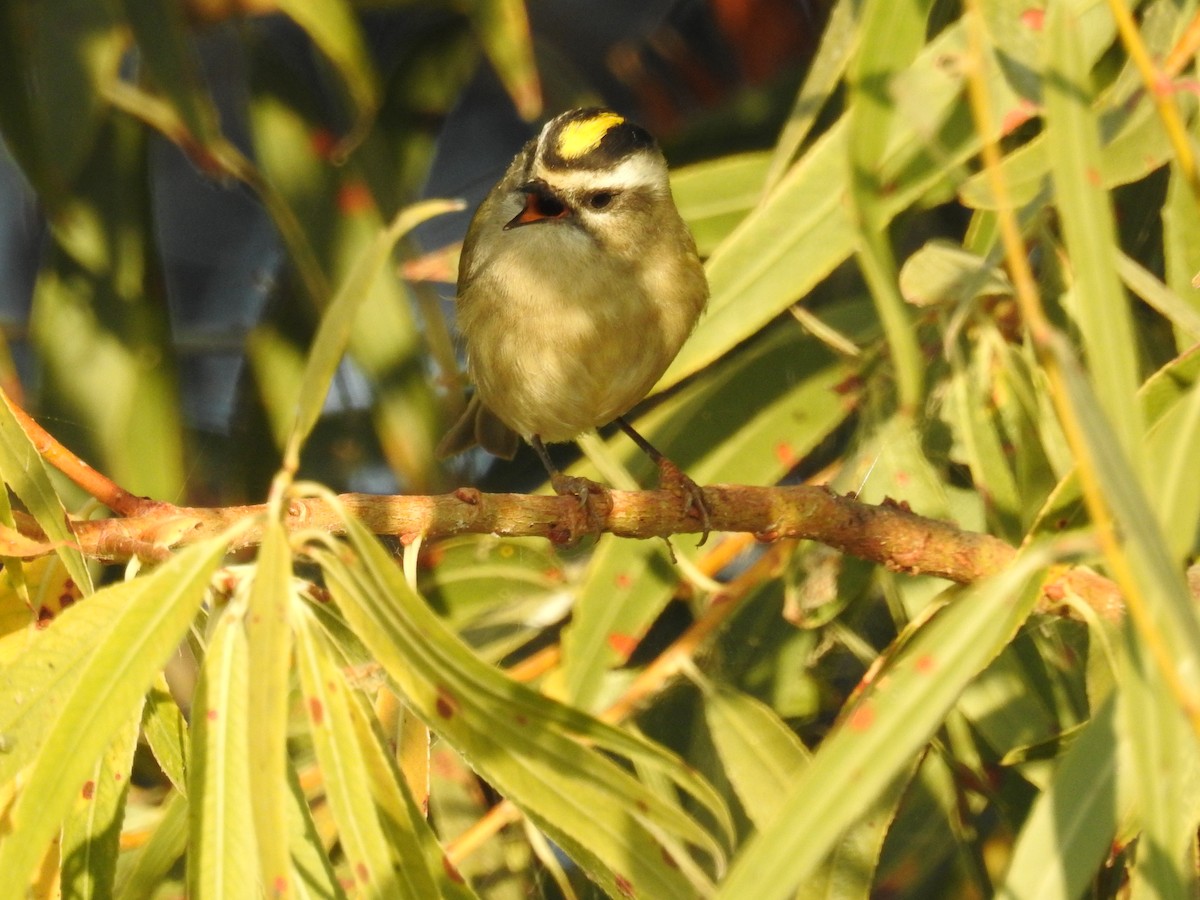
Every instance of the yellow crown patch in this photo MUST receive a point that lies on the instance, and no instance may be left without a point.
(579, 138)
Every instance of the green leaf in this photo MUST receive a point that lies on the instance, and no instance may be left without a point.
(892, 34)
(328, 700)
(713, 196)
(144, 621)
(92, 832)
(222, 856)
(425, 868)
(333, 26)
(1166, 614)
(1086, 214)
(143, 871)
(334, 332)
(166, 732)
(878, 738)
(269, 649)
(23, 470)
(759, 753)
(943, 273)
(1070, 829)
(523, 743)
(503, 29)
(1183, 315)
(1165, 766)
(839, 43)
(168, 52)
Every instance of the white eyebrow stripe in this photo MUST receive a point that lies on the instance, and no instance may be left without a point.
(642, 170)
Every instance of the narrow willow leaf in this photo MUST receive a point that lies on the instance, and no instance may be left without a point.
(849, 872)
(269, 645)
(892, 34)
(338, 319)
(1160, 398)
(222, 859)
(804, 228)
(1070, 829)
(148, 617)
(1183, 315)
(1177, 496)
(74, 50)
(759, 753)
(521, 741)
(327, 699)
(143, 871)
(503, 29)
(166, 732)
(943, 273)
(1164, 764)
(423, 864)
(22, 469)
(169, 54)
(713, 196)
(310, 863)
(1167, 619)
(1181, 242)
(970, 389)
(839, 43)
(879, 737)
(92, 832)
(333, 27)
(1086, 214)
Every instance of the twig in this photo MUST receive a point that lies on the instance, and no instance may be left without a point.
(94, 483)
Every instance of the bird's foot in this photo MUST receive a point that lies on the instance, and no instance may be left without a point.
(589, 516)
(672, 478)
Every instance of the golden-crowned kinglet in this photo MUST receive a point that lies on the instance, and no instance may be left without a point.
(577, 286)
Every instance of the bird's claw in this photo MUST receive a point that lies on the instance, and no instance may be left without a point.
(594, 506)
(672, 478)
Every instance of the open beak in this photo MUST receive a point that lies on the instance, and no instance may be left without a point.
(541, 205)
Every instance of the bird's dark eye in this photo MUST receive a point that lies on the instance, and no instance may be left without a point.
(600, 199)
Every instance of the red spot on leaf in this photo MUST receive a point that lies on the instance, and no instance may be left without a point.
(926, 664)
(1093, 176)
(211, 715)
(1017, 116)
(624, 886)
(521, 719)
(447, 703)
(316, 710)
(354, 197)
(862, 718)
(622, 644)
(785, 454)
(452, 871)
(624, 580)
(323, 142)
(363, 873)
(89, 790)
(279, 887)
(1033, 19)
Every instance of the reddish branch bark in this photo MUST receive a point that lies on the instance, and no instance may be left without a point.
(889, 534)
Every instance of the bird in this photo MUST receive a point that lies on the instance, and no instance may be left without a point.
(578, 284)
